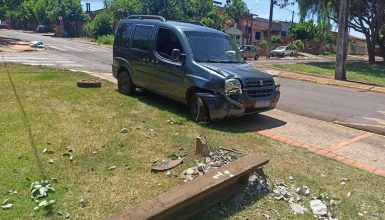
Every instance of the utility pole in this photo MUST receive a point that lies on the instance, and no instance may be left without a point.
(292, 18)
(342, 41)
(270, 27)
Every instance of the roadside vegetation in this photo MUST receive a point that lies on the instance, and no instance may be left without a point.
(107, 39)
(78, 138)
(356, 71)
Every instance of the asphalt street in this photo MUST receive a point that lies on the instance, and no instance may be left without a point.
(328, 103)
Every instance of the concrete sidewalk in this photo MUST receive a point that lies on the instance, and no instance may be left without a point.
(354, 147)
(321, 79)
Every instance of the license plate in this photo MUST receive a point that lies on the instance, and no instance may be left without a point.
(262, 104)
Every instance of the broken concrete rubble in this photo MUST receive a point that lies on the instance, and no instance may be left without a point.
(297, 208)
(215, 159)
(281, 192)
(319, 208)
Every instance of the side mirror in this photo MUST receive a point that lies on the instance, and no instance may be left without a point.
(176, 55)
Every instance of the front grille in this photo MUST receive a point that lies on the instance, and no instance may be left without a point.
(259, 88)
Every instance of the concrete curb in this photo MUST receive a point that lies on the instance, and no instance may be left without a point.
(376, 129)
(373, 88)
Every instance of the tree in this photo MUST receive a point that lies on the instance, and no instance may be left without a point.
(214, 19)
(101, 25)
(368, 17)
(123, 8)
(305, 31)
(236, 9)
(276, 39)
(381, 42)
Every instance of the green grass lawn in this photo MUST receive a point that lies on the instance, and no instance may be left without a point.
(356, 71)
(89, 121)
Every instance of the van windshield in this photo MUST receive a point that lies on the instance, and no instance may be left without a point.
(213, 48)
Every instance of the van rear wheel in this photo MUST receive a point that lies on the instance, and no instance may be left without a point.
(125, 85)
(198, 109)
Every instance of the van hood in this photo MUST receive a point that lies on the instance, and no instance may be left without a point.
(240, 71)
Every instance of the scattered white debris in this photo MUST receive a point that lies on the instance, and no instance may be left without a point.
(297, 208)
(111, 168)
(291, 178)
(360, 214)
(344, 181)
(124, 130)
(348, 194)
(319, 208)
(281, 192)
(7, 206)
(304, 191)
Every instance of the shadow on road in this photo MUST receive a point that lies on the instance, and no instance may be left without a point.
(249, 123)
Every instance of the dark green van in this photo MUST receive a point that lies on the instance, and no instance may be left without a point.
(192, 64)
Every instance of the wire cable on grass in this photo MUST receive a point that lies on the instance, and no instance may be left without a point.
(25, 121)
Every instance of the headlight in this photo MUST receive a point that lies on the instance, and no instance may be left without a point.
(276, 83)
(233, 86)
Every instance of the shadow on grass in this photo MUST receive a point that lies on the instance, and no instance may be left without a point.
(249, 123)
(229, 207)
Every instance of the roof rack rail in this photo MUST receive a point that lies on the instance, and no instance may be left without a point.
(193, 22)
(197, 23)
(142, 17)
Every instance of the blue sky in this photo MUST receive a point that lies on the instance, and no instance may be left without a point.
(95, 4)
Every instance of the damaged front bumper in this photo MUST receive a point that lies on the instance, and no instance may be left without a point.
(222, 106)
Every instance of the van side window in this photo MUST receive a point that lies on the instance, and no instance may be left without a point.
(166, 41)
(123, 35)
(142, 37)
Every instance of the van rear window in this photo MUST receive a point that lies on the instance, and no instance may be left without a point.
(142, 37)
(123, 34)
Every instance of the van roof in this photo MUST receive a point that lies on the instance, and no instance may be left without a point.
(183, 26)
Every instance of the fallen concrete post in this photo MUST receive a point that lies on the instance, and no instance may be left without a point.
(187, 199)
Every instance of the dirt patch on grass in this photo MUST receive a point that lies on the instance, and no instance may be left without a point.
(16, 46)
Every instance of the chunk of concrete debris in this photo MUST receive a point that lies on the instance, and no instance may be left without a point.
(291, 178)
(304, 191)
(297, 208)
(165, 164)
(348, 194)
(110, 168)
(201, 146)
(344, 181)
(318, 208)
(124, 130)
(281, 192)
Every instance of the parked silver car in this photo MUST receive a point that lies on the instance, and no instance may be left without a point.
(249, 51)
(282, 51)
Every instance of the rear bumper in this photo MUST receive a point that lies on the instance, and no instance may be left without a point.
(221, 107)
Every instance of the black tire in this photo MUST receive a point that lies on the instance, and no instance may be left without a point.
(292, 54)
(256, 57)
(125, 85)
(198, 110)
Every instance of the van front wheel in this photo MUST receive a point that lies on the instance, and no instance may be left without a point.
(198, 109)
(125, 85)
